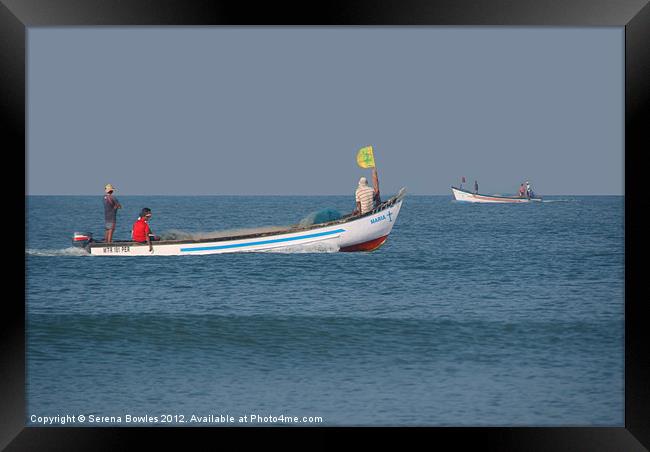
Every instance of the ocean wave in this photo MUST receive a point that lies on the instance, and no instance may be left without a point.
(70, 251)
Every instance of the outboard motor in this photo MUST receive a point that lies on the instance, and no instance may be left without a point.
(82, 239)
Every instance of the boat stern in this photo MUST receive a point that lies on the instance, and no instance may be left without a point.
(82, 240)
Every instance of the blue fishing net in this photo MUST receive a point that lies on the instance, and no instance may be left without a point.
(322, 216)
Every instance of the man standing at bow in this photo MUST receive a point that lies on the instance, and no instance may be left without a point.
(111, 204)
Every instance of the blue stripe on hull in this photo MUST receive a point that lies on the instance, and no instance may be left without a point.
(263, 242)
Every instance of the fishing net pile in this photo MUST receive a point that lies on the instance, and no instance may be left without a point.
(322, 216)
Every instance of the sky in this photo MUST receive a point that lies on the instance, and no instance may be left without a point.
(283, 110)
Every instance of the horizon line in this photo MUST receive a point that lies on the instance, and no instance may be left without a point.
(285, 194)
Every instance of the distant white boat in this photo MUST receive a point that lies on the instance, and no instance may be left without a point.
(351, 233)
(467, 196)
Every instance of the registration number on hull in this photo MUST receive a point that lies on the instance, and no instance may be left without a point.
(116, 249)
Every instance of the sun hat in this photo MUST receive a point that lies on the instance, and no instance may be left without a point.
(108, 187)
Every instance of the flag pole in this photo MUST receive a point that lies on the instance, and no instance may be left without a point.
(375, 182)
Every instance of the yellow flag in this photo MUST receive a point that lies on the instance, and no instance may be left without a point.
(365, 158)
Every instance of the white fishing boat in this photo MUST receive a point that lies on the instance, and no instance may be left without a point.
(468, 196)
(350, 233)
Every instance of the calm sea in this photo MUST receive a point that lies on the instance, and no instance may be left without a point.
(482, 315)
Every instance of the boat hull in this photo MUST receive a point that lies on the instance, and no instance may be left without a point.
(370, 245)
(466, 196)
(362, 233)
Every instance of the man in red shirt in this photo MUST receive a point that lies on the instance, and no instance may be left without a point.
(141, 231)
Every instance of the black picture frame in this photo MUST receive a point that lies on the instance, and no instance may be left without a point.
(17, 15)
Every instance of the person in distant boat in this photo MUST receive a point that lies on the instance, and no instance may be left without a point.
(528, 191)
(522, 191)
(141, 232)
(476, 186)
(111, 204)
(365, 197)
